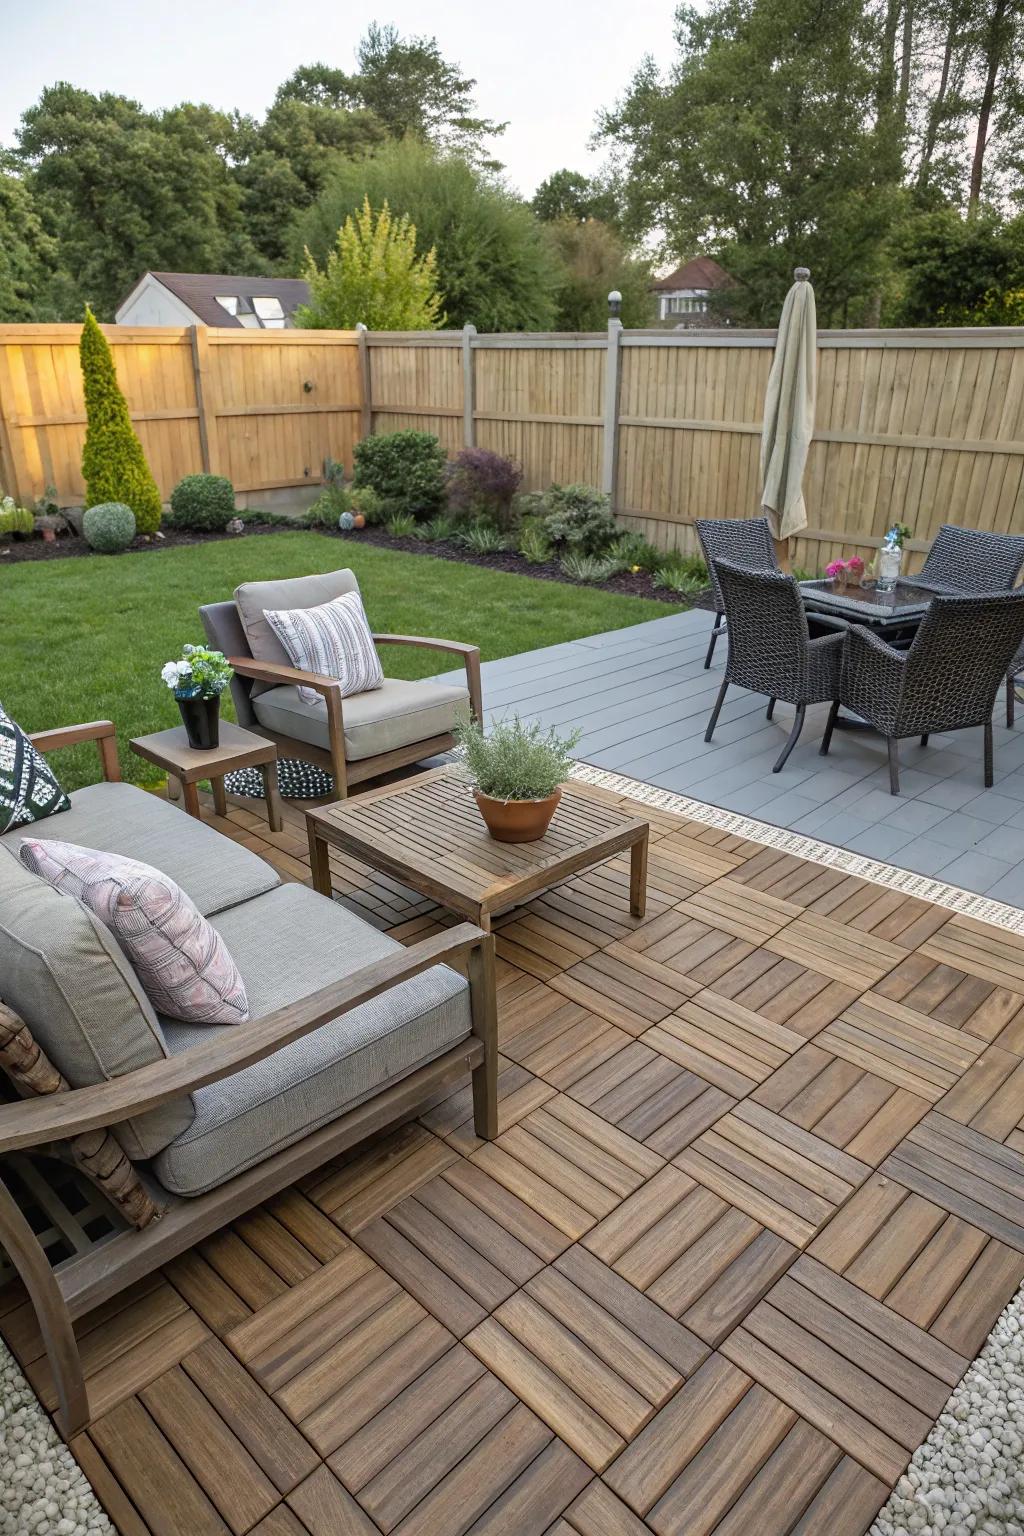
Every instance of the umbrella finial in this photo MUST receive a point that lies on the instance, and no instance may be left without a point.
(801, 274)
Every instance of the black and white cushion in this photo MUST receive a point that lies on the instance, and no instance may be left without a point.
(28, 788)
(333, 639)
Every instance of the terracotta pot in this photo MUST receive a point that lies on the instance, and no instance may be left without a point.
(517, 821)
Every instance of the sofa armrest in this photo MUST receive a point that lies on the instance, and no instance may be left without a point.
(33, 1122)
(100, 731)
(470, 655)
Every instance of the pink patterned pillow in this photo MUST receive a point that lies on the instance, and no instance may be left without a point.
(181, 961)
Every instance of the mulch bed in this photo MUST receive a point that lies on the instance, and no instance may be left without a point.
(629, 584)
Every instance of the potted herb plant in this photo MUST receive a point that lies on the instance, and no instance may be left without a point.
(197, 679)
(517, 772)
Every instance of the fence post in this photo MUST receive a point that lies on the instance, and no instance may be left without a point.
(468, 387)
(201, 378)
(366, 411)
(612, 370)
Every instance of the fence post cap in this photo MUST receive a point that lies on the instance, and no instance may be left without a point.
(360, 326)
(801, 274)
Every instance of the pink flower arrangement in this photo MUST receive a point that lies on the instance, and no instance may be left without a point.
(846, 571)
(835, 570)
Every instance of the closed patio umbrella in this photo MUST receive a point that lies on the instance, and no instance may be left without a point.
(789, 415)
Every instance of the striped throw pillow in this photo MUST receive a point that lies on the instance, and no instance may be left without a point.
(334, 640)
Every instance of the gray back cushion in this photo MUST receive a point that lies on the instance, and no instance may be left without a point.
(255, 597)
(64, 973)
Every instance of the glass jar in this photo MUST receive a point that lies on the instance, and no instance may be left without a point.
(889, 562)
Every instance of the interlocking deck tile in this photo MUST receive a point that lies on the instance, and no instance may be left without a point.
(913, 1052)
(701, 1259)
(993, 954)
(519, 1092)
(554, 1038)
(598, 1512)
(625, 989)
(651, 1098)
(451, 1445)
(965, 1173)
(953, 996)
(936, 1270)
(842, 1102)
(783, 1176)
(354, 1192)
(568, 1164)
(725, 1456)
(856, 1370)
(588, 1353)
(990, 1097)
(735, 908)
(855, 958)
(723, 1042)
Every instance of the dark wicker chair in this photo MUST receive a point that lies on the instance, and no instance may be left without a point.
(946, 681)
(770, 647)
(744, 541)
(1016, 668)
(968, 562)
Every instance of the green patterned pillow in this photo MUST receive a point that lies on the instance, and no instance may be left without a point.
(28, 789)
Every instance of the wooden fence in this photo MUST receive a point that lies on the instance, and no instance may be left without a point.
(922, 426)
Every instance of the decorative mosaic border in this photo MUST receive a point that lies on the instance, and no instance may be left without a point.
(967, 903)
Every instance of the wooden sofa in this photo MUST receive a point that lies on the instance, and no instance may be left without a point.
(431, 1026)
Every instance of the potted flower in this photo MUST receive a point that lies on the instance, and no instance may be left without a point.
(854, 571)
(517, 773)
(197, 679)
(836, 573)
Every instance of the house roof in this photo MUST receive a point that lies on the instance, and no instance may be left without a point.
(199, 290)
(701, 272)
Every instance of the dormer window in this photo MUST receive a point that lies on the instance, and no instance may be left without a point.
(258, 313)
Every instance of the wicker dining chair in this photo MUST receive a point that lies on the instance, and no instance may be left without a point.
(969, 562)
(744, 541)
(946, 681)
(1015, 670)
(770, 647)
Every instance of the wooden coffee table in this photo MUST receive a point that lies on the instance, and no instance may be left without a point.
(428, 833)
(238, 748)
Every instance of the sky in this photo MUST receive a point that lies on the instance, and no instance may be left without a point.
(544, 67)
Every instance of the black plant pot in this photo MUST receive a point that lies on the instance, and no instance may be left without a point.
(201, 718)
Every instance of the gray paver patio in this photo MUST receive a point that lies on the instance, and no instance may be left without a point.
(642, 698)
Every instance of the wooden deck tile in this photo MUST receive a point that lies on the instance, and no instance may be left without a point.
(990, 1097)
(698, 857)
(913, 1052)
(841, 1102)
(994, 954)
(571, 1166)
(855, 958)
(701, 1259)
(554, 1038)
(624, 990)
(598, 1512)
(934, 1269)
(783, 1176)
(735, 908)
(855, 1370)
(696, 950)
(965, 1173)
(326, 1509)
(941, 990)
(651, 1098)
(354, 1192)
(588, 1353)
(723, 1042)
(519, 1092)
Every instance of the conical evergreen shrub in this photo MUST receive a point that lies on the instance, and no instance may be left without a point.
(113, 463)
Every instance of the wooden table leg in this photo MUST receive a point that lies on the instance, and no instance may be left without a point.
(191, 794)
(638, 876)
(220, 799)
(319, 861)
(272, 796)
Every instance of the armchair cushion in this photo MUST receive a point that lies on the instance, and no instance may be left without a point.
(213, 871)
(289, 943)
(253, 598)
(333, 640)
(65, 974)
(398, 714)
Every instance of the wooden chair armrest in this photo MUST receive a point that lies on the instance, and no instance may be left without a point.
(470, 655)
(101, 731)
(33, 1122)
(277, 672)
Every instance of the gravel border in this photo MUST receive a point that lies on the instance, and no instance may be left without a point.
(43, 1490)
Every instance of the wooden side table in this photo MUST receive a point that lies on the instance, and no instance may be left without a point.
(238, 749)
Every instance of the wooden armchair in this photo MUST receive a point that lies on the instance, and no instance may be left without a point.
(355, 739)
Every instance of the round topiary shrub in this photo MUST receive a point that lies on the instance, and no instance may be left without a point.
(109, 528)
(203, 503)
(405, 469)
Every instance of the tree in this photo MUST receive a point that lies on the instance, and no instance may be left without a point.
(571, 195)
(125, 190)
(494, 267)
(113, 464)
(595, 261)
(373, 275)
(954, 270)
(761, 147)
(28, 255)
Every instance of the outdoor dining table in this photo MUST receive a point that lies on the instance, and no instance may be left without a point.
(886, 613)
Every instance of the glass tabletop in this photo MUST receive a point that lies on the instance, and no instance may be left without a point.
(904, 602)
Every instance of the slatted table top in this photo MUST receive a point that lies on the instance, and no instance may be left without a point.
(428, 832)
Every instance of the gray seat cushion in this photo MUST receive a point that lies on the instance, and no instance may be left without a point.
(64, 973)
(119, 818)
(398, 714)
(288, 944)
(253, 598)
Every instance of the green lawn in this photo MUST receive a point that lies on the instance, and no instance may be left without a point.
(85, 639)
